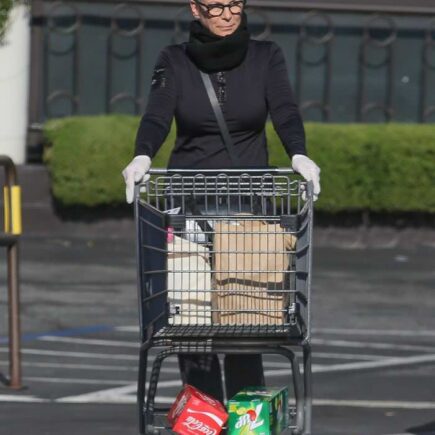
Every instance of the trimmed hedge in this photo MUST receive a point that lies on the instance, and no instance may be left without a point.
(376, 167)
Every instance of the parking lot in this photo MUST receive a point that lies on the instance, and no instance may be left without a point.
(374, 347)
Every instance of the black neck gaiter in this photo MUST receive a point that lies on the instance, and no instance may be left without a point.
(212, 53)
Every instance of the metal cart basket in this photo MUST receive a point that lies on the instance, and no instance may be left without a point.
(224, 267)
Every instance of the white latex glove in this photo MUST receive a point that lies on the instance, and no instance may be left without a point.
(134, 172)
(309, 170)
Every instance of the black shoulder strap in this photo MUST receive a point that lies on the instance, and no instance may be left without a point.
(220, 119)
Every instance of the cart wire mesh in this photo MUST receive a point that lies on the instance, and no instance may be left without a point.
(224, 255)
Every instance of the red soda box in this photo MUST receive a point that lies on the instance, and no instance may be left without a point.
(196, 413)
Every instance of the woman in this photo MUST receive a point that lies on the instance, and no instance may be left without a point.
(251, 81)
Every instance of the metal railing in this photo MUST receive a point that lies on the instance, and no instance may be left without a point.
(9, 239)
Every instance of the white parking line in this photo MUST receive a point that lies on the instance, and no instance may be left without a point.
(375, 404)
(370, 345)
(353, 356)
(90, 341)
(324, 355)
(21, 399)
(390, 362)
(125, 394)
(127, 329)
(96, 367)
(120, 395)
(75, 381)
(380, 333)
(105, 356)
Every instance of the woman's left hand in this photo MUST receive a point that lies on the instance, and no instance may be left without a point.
(309, 170)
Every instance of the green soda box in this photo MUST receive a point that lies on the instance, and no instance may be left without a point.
(258, 411)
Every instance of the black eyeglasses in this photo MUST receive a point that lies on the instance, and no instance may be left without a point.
(217, 9)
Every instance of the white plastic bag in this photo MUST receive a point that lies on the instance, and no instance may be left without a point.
(189, 283)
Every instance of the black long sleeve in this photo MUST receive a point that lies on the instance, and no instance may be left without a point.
(247, 93)
(283, 109)
(156, 122)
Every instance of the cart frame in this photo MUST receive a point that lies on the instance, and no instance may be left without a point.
(171, 340)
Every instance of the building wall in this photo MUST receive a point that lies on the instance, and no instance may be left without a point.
(14, 80)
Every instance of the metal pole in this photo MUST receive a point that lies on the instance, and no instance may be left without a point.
(14, 318)
(10, 239)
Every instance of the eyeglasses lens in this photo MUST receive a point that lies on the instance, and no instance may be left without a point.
(218, 10)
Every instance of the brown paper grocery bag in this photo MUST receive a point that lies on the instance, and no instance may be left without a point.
(250, 261)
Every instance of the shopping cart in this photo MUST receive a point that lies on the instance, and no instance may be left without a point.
(224, 267)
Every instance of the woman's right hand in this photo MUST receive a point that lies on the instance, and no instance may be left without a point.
(134, 172)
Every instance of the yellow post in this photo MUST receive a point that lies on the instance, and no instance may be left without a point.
(12, 201)
(16, 210)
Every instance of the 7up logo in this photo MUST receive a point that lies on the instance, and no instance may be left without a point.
(250, 418)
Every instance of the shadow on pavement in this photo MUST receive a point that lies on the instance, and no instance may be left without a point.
(427, 429)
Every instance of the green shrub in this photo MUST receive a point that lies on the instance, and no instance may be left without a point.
(373, 167)
(407, 158)
(87, 156)
(344, 154)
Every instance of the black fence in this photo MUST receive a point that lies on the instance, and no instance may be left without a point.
(348, 62)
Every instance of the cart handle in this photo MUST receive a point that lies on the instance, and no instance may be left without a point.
(165, 171)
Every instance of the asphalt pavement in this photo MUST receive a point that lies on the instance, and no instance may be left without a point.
(373, 339)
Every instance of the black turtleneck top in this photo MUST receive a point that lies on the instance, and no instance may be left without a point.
(247, 94)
